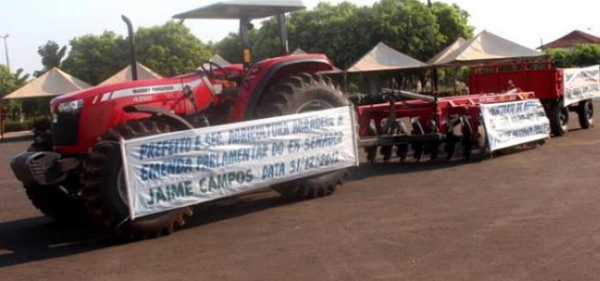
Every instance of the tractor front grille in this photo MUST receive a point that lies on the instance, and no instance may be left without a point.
(65, 129)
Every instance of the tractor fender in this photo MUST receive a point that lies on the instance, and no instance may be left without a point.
(158, 111)
(277, 71)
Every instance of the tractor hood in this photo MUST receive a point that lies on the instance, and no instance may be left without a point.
(127, 89)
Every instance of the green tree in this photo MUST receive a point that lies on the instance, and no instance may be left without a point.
(346, 31)
(561, 57)
(21, 77)
(52, 55)
(170, 49)
(585, 55)
(8, 81)
(230, 48)
(334, 30)
(95, 58)
(453, 22)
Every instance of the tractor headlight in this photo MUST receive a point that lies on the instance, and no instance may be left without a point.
(70, 107)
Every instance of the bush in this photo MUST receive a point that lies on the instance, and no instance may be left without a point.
(16, 126)
(579, 56)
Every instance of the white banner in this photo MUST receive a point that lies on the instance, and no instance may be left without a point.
(170, 171)
(581, 84)
(513, 123)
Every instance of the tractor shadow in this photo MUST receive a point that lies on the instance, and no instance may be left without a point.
(394, 166)
(36, 239)
(233, 207)
(40, 238)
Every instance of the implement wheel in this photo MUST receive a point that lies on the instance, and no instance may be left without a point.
(296, 94)
(467, 138)
(104, 188)
(417, 147)
(371, 151)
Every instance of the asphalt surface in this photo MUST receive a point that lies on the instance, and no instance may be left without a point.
(528, 215)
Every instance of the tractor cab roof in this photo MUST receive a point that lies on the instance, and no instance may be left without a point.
(238, 9)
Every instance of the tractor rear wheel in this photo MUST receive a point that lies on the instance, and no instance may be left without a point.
(585, 112)
(58, 201)
(296, 94)
(104, 189)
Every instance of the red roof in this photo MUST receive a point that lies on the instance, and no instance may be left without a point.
(572, 39)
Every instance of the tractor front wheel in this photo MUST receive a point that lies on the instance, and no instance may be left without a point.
(104, 189)
(58, 201)
(296, 94)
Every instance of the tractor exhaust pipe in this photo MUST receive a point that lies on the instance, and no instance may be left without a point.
(283, 36)
(134, 75)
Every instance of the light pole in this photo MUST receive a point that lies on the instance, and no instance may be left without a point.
(6, 51)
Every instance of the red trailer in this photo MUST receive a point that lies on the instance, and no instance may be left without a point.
(560, 90)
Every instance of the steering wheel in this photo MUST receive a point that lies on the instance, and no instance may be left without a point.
(211, 71)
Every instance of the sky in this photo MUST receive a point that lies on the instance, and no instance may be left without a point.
(31, 23)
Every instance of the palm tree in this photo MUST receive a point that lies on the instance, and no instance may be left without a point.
(21, 79)
(52, 55)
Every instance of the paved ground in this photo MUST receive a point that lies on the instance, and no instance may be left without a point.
(531, 215)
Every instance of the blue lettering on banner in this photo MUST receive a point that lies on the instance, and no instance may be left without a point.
(513, 123)
(168, 171)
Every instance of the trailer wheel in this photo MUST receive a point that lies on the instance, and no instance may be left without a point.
(559, 119)
(585, 112)
(58, 201)
(104, 189)
(303, 93)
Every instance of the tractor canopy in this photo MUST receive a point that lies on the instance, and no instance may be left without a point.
(239, 9)
(245, 11)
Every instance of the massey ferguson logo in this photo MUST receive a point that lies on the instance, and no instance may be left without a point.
(145, 93)
(157, 89)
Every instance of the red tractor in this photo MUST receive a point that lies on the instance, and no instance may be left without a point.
(76, 174)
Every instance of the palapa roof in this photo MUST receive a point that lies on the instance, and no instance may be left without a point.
(447, 51)
(381, 58)
(52, 83)
(486, 46)
(143, 72)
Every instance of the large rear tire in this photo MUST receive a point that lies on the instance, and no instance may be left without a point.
(585, 112)
(104, 189)
(58, 201)
(297, 94)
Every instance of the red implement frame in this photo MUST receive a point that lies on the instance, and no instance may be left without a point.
(433, 115)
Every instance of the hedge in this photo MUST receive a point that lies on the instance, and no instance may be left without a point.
(16, 126)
